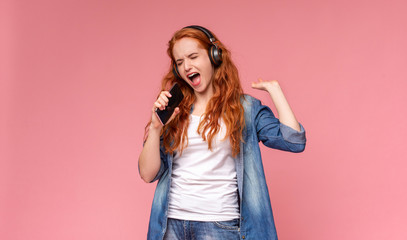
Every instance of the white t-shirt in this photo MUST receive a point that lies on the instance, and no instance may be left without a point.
(204, 182)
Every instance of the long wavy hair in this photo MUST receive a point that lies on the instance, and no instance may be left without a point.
(225, 103)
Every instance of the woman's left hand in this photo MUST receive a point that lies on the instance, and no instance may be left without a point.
(286, 115)
(265, 85)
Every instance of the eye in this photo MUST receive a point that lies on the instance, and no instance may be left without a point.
(179, 63)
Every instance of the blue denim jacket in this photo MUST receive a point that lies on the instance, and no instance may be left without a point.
(256, 221)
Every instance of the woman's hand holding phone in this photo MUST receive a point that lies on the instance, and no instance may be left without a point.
(166, 106)
(161, 103)
(149, 160)
(171, 100)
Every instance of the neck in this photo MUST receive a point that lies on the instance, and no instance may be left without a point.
(201, 101)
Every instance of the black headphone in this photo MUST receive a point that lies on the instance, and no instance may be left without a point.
(215, 53)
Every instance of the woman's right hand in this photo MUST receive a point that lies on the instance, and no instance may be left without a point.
(149, 159)
(161, 103)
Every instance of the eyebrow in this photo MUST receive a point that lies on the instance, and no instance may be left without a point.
(190, 55)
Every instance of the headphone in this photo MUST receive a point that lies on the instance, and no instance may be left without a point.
(215, 53)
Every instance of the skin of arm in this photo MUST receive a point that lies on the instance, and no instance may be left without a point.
(149, 160)
(285, 114)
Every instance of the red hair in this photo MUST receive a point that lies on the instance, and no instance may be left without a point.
(225, 102)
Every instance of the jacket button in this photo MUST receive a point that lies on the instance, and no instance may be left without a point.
(243, 237)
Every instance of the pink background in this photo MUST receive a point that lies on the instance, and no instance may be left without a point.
(78, 79)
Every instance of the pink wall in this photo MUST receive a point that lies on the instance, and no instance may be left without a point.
(78, 79)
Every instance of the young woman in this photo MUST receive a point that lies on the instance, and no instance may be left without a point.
(207, 157)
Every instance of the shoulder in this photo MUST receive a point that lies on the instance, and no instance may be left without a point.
(252, 107)
(249, 101)
(250, 104)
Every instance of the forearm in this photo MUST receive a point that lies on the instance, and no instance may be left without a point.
(285, 113)
(149, 159)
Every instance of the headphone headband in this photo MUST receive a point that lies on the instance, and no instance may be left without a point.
(204, 30)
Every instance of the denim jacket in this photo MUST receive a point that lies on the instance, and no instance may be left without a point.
(256, 216)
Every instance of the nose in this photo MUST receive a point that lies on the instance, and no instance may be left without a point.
(187, 66)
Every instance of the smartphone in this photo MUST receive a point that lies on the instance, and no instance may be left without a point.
(174, 101)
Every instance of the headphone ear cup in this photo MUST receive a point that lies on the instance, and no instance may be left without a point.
(215, 55)
(175, 71)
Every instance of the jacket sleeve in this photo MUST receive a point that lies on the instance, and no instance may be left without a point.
(274, 134)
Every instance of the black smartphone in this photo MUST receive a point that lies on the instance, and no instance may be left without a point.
(174, 101)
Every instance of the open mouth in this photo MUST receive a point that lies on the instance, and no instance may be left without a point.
(195, 78)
